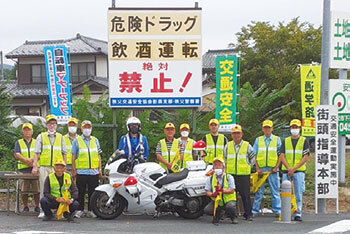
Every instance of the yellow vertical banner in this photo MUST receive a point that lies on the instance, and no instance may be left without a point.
(310, 97)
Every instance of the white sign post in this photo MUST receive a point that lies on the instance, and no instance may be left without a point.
(326, 154)
(154, 57)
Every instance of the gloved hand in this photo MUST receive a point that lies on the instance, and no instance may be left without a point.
(219, 190)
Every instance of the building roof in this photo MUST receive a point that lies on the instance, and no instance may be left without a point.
(99, 80)
(208, 59)
(77, 45)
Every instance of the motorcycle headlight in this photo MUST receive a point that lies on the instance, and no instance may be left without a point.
(106, 172)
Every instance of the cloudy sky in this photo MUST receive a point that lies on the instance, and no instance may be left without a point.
(22, 20)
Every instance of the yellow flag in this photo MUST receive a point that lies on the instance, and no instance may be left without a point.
(256, 183)
(217, 200)
(294, 207)
(63, 207)
(176, 163)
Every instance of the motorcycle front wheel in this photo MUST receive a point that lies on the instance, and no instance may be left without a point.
(98, 203)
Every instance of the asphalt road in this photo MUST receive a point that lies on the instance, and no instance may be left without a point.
(164, 224)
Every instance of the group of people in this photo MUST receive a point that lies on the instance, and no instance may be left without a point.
(73, 163)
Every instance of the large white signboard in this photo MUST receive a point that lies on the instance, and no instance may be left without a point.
(154, 57)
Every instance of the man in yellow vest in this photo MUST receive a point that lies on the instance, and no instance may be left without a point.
(186, 143)
(24, 153)
(49, 148)
(239, 158)
(221, 183)
(54, 189)
(267, 149)
(68, 139)
(168, 147)
(294, 155)
(214, 141)
(86, 166)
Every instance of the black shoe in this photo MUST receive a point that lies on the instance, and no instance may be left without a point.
(25, 209)
(249, 218)
(234, 220)
(70, 218)
(37, 209)
(298, 218)
(47, 218)
(66, 214)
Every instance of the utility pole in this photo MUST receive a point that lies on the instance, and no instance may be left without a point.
(326, 34)
(2, 66)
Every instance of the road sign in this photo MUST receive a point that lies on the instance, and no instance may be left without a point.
(310, 97)
(340, 40)
(154, 57)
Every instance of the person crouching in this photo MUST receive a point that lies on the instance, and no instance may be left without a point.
(221, 184)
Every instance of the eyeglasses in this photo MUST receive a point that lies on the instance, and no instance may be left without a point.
(51, 123)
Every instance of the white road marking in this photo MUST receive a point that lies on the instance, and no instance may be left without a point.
(337, 227)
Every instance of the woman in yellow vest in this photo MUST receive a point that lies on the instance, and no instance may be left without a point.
(294, 155)
(86, 166)
(168, 147)
(24, 153)
(220, 187)
(186, 143)
(72, 126)
(55, 187)
(239, 160)
(215, 142)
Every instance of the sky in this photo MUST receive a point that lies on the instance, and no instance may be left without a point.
(22, 20)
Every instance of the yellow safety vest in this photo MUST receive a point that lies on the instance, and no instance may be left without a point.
(267, 155)
(50, 153)
(237, 163)
(55, 188)
(69, 149)
(187, 152)
(213, 150)
(226, 197)
(25, 152)
(294, 156)
(169, 157)
(88, 156)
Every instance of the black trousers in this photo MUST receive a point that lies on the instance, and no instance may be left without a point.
(242, 183)
(86, 181)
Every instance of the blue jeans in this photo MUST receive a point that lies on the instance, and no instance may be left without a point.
(274, 183)
(299, 188)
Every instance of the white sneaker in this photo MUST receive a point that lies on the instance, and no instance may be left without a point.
(90, 214)
(78, 214)
(41, 215)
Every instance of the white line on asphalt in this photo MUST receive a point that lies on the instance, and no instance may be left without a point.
(37, 232)
(337, 227)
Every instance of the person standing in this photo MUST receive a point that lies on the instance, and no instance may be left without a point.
(86, 166)
(215, 142)
(295, 153)
(168, 147)
(24, 153)
(267, 149)
(68, 139)
(186, 143)
(239, 157)
(49, 148)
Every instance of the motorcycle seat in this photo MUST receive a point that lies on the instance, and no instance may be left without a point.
(172, 178)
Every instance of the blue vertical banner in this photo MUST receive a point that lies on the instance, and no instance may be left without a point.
(57, 73)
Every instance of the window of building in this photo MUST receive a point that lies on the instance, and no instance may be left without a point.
(28, 111)
(82, 71)
(38, 73)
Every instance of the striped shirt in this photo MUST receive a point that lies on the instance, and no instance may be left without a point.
(168, 145)
(250, 153)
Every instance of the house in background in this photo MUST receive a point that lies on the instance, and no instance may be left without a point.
(88, 58)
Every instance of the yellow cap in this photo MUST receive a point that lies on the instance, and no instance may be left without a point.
(214, 121)
(219, 159)
(295, 122)
(51, 117)
(236, 128)
(60, 162)
(184, 125)
(86, 122)
(169, 125)
(267, 123)
(27, 125)
(72, 119)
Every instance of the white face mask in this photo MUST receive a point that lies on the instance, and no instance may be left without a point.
(295, 131)
(218, 172)
(52, 132)
(185, 133)
(87, 132)
(72, 130)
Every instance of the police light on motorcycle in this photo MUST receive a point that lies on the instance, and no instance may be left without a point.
(130, 181)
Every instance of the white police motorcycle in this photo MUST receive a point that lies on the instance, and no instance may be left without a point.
(146, 188)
